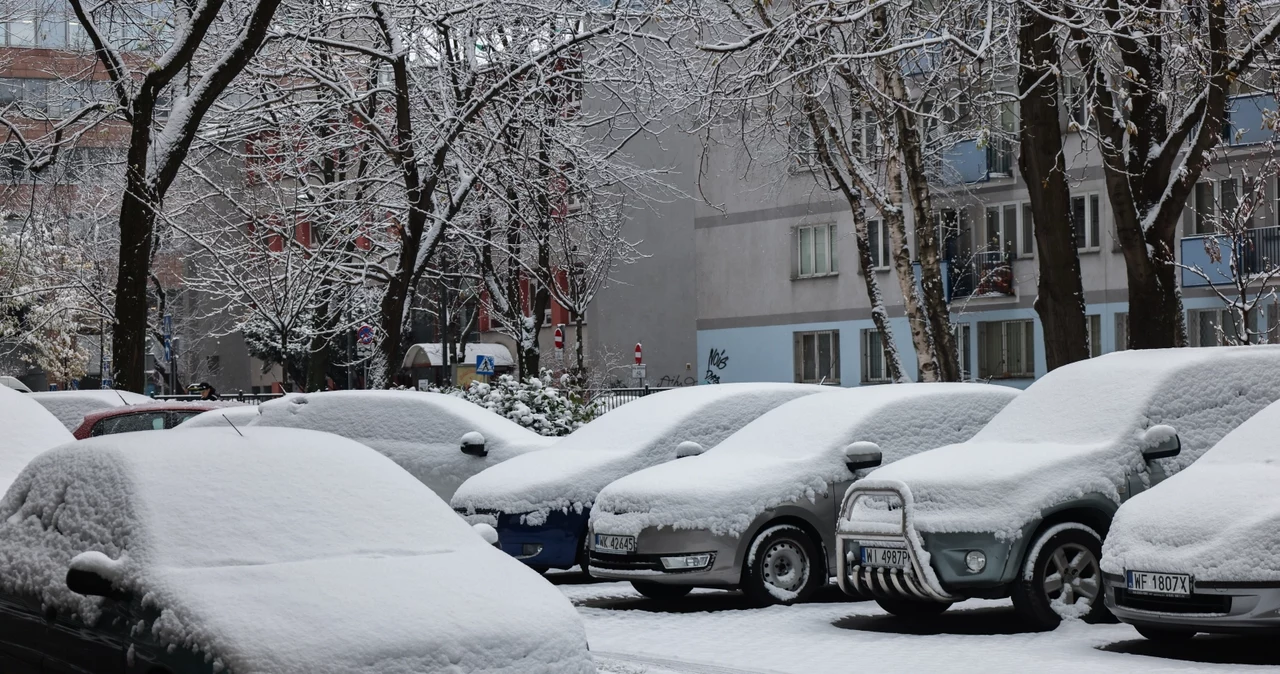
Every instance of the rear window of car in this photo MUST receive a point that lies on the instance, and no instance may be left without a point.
(179, 417)
(127, 423)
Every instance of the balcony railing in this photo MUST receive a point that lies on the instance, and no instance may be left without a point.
(1258, 252)
(982, 275)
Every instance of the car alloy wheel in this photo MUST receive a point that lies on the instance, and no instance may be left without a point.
(1061, 578)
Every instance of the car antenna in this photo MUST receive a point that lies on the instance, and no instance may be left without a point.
(121, 396)
(224, 416)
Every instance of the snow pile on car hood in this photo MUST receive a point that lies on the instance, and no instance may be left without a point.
(224, 534)
(622, 441)
(70, 407)
(420, 431)
(26, 430)
(239, 416)
(1079, 430)
(792, 453)
(1218, 520)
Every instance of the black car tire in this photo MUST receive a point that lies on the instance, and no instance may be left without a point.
(776, 554)
(910, 608)
(1031, 589)
(661, 591)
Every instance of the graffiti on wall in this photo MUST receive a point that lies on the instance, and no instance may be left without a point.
(716, 362)
(677, 381)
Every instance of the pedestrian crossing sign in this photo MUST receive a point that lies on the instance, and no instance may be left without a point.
(484, 365)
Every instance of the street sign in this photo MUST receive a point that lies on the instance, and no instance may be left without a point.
(365, 334)
(559, 338)
(168, 338)
(637, 373)
(107, 381)
(484, 365)
(638, 353)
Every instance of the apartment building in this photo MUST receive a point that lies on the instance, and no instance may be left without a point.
(779, 297)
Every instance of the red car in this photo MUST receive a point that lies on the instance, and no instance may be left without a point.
(148, 417)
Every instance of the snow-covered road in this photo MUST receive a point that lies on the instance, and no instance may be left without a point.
(712, 632)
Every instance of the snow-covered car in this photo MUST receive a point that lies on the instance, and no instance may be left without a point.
(152, 416)
(540, 503)
(263, 550)
(1022, 508)
(26, 430)
(14, 383)
(440, 439)
(758, 511)
(71, 407)
(1201, 553)
(220, 418)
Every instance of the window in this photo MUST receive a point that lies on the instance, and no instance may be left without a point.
(875, 368)
(1093, 327)
(815, 250)
(1002, 229)
(22, 31)
(867, 138)
(804, 151)
(1006, 349)
(1214, 327)
(878, 240)
(1085, 217)
(1028, 242)
(1122, 331)
(817, 357)
(1215, 199)
(1076, 95)
(963, 344)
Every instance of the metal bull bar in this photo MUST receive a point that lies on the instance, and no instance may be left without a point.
(908, 583)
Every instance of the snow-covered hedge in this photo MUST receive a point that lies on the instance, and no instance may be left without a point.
(537, 403)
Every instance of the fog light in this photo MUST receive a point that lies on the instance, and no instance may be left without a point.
(686, 562)
(975, 561)
(528, 550)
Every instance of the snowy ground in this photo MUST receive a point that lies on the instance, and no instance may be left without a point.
(713, 632)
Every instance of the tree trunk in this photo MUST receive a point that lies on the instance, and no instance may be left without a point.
(895, 223)
(1060, 299)
(137, 227)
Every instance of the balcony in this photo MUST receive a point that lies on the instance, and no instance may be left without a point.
(1257, 252)
(965, 162)
(981, 275)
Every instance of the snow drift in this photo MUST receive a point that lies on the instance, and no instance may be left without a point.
(636, 435)
(1218, 520)
(26, 430)
(791, 453)
(1079, 430)
(375, 573)
(420, 431)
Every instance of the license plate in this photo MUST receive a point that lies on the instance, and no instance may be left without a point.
(616, 543)
(894, 558)
(1177, 584)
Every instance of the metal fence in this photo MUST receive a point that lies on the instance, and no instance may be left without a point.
(988, 273)
(1261, 250)
(249, 398)
(603, 400)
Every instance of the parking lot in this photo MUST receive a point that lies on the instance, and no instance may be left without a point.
(716, 632)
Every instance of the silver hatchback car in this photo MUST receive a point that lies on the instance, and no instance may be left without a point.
(1201, 552)
(758, 510)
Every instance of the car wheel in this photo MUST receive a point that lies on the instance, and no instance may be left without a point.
(908, 608)
(660, 591)
(1165, 635)
(783, 567)
(1061, 578)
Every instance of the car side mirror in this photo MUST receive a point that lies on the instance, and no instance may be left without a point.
(862, 455)
(487, 532)
(1160, 442)
(473, 444)
(89, 573)
(689, 448)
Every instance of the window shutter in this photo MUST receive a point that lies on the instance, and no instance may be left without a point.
(795, 253)
(797, 357)
(832, 247)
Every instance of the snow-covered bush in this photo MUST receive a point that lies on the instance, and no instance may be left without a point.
(540, 403)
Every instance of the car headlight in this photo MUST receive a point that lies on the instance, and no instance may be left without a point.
(686, 562)
(975, 561)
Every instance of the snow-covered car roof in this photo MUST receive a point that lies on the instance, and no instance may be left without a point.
(70, 407)
(420, 431)
(1078, 430)
(26, 430)
(240, 416)
(1218, 520)
(225, 532)
(791, 453)
(622, 441)
(14, 383)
